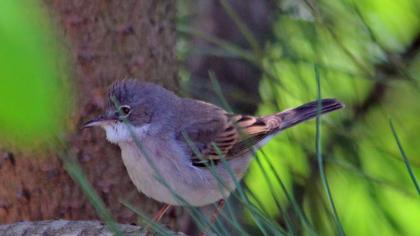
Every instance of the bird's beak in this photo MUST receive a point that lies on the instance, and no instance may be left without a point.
(100, 120)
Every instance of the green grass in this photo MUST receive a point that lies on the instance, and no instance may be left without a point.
(75, 171)
(406, 162)
(319, 156)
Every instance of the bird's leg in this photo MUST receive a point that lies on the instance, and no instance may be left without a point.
(158, 216)
(215, 215)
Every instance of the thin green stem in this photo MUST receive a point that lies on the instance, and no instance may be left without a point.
(230, 47)
(407, 163)
(243, 28)
(76, 173)
(218, 90)
(324, 179)
(157, 228)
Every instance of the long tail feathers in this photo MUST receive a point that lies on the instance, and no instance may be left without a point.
(305, 112)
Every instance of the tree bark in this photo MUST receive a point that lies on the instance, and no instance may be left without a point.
(105, 41)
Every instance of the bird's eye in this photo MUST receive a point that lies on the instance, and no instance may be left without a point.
(125, 110)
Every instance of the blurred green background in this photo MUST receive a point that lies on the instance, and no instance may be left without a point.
(33, 97)
(368, 56)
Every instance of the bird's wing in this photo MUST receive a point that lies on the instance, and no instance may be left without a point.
(212, 133)
(217, 135)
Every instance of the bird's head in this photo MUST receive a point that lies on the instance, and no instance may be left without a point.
(133, 106)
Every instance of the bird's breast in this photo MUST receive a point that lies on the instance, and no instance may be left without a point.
(161, 172)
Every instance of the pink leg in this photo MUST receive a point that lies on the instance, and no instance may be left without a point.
(158, 216)
(215, 215)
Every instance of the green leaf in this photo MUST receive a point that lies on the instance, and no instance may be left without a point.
(32, 95)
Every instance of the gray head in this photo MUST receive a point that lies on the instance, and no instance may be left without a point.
(140, 103)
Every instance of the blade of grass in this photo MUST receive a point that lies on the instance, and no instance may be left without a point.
(242, 197)
(232, 48)
(287, 220)
(243, 28)
(245, 200)
(259, 205)
(155, 226)
(290, 198)
(404, 156)
(76, 173)
(218, 90)
(324, 179)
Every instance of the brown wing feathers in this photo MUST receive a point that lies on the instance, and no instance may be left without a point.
(250, 130)
(305, 112)
(241, 132)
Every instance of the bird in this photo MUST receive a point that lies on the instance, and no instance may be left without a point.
(180, 151)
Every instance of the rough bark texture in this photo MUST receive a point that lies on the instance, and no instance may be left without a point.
(106, 41)
(239, 79)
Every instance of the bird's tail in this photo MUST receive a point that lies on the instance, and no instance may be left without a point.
(305, 112)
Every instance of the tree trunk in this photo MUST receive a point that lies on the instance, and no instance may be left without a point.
(105, 41)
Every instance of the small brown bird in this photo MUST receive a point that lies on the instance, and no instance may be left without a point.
(183, 138)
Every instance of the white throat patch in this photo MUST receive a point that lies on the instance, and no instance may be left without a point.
(119, 132)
